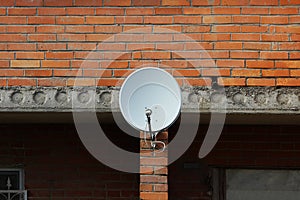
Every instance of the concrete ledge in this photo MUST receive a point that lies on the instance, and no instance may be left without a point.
(285, 100)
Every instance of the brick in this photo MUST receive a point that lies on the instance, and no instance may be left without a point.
(256, 29)
(226, 28)
(255, 11)
(11, 72)
(288, 81)
(100, 20)
(205, 2)
(260, 82)
(4, 63)
(235, 2)
(295, 37)
(245, 72)
(158, 19)
(52, 46)
(287, 29)
(228, 45)
(196, 29)
(215, 72)
(129, 19)
(38, 72)
(21, 11)
(153, 178)
(217, 54)
(59, 55)
(246, 19)
(160, 187)
(168, 11)
(259, 64)
(229, 11)
(80, 11)
(294, 55)
(51, 82)
(154, 195)
(295, 72)
(232, 81)
(114, 64)
(41, 20)
(67, 72)
(230, 63)
(170, 28)
(69, 20)
(274, 20)
(7, 3)
(111, 46)
(12, 20)
(174, 63)
(264, 3)
(117, 3)
(216, 19)
(51, 11)
(111, 11)
(88, 3)
(71, 37)
(275, 37)
(97, 37)
(186, 72)
(29, 3)
(21, 82)
(2, 11)
(21, 46)
(41, 37)
(283, 11)
(289, 2)
(294, 19)
(30, 55)
(58, 3)
(50, 29)
(116, 56)
(187, 19)
(20, 29)
(287, 64)
(275, 72)
(25, 63)
(6, 55)
(244, 54)
(289, 46)
(139, 11)
(129, 37)
(154, 161)
(273, 55)
(122, 72)
(216, 36)
(146, 187)
(85, 64)
(97, 73)
(257, 45)
(81, 46)
(198, 81)
(55, 63)
(109, 82)
(145, 2)
(3, 82)
(175, 2)
(108, 29)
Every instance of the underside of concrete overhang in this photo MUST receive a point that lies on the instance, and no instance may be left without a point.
(242, 105)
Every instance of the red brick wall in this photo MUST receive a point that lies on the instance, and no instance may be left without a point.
(252, 42)
(57, 166)
(241, 146)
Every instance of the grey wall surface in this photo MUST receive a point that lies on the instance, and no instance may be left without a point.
(262, 184)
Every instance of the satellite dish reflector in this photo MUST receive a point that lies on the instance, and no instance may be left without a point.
(153, 89)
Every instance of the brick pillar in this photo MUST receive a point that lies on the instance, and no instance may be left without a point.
(153, 170)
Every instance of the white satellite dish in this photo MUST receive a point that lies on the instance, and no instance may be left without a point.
(150, 92)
